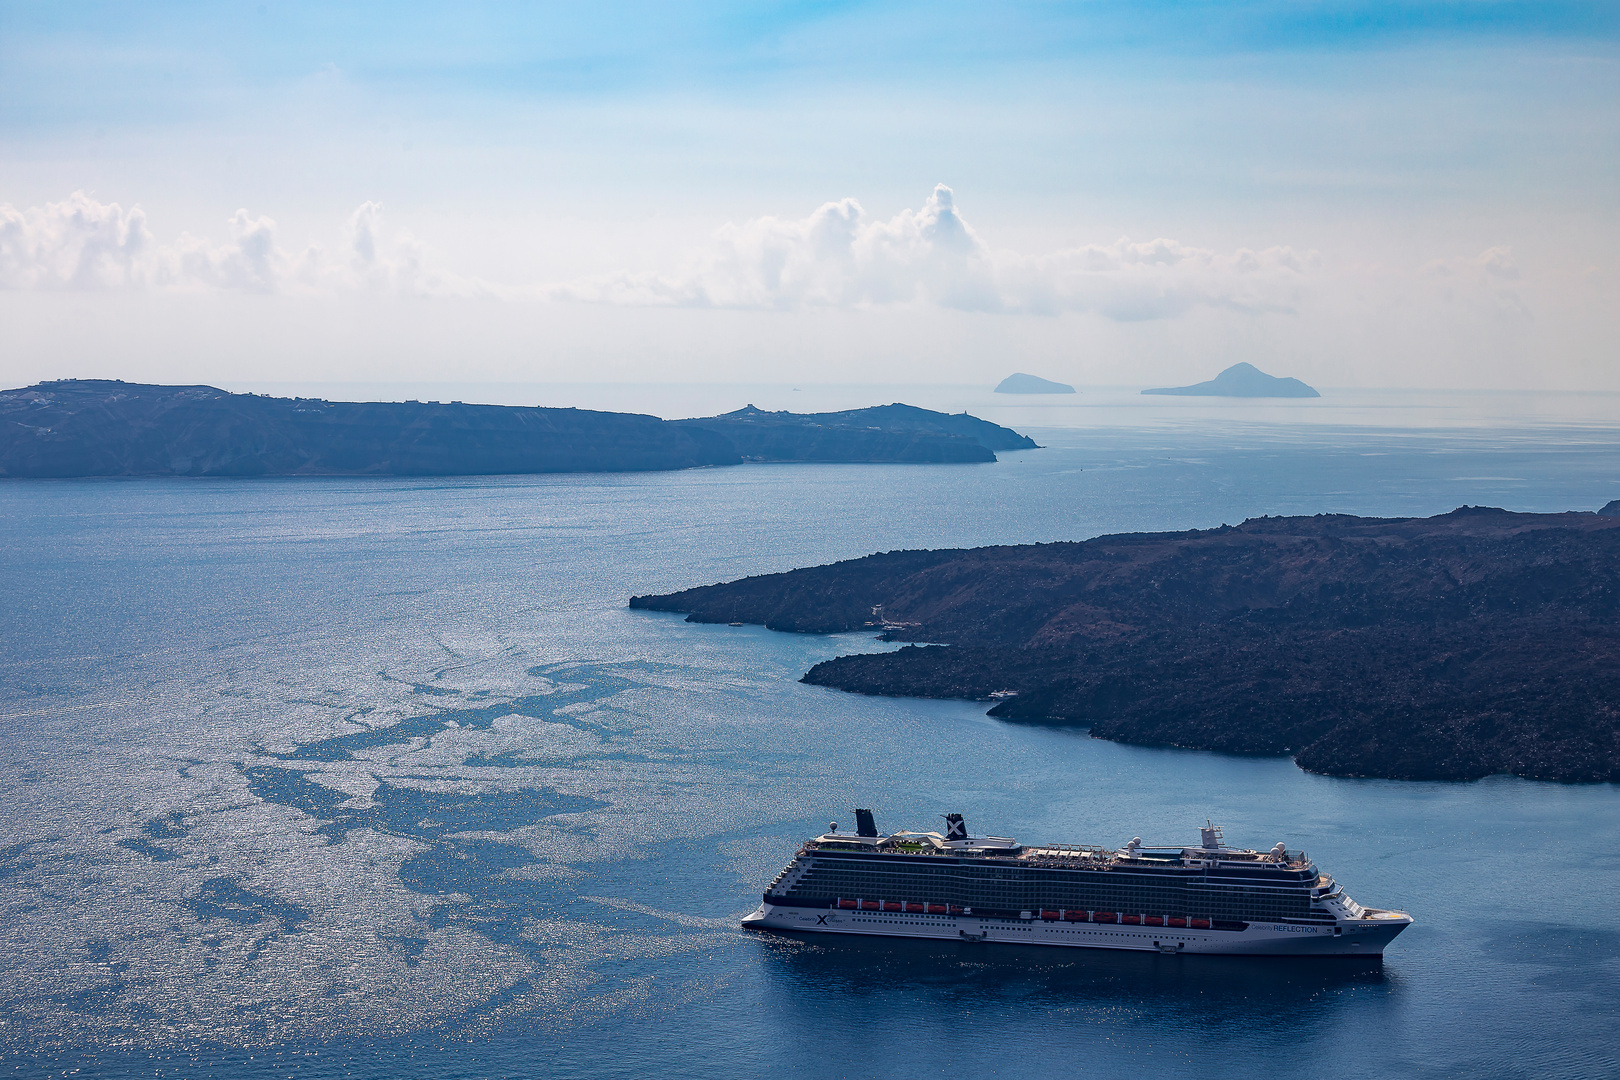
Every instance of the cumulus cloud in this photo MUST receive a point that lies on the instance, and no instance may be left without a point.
(838, 256)
(249, 261)
(398, 266)
(81, 243)
(74, 244)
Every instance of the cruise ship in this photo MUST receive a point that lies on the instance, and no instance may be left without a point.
(1209, 898)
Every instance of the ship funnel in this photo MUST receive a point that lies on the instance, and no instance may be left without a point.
(864, 825)
(1210, 838)
(955, 827)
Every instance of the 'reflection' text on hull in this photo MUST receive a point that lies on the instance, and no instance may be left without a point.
(1209, 898)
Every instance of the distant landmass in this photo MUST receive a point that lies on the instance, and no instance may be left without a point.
(882, 433)
(1443, 648)
(1031, 384)
(94, 427)
(1242, 380)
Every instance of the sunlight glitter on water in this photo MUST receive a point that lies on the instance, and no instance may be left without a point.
(375, 768)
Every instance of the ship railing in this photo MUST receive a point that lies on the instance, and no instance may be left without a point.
(1067, 851)
(1090, 860)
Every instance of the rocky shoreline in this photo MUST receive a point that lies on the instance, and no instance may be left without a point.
(98, 427)
(1446, 648)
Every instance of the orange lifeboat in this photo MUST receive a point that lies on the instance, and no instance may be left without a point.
(1051, 916)
(871, 905)
(936, 909)
(1153, 920)
(849, 905)
(1074, 916)
(1174, 920)
(893, 905)
(1104, 916)
(916, 907)
(1198, 924)
(1134, 920)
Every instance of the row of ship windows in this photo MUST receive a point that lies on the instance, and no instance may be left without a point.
(1250, 914)
(1090, 899)
(876, 888)
(867, 885)
(1023, 873)
(1046, 884)
(989, 898)
(1236, 913)
(1117, 901)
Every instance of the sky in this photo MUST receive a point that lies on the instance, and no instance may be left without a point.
(1356, 194)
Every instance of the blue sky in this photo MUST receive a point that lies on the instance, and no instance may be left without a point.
(1375, 194)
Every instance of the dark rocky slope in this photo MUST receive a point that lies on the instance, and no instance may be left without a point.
(1453, 647)
(104, 428)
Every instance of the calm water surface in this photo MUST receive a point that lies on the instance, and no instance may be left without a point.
(380, 778)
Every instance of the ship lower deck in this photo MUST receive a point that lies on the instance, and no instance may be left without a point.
(1353, 938)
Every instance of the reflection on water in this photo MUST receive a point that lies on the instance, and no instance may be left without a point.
(381, 778)
(949, 976)
(984, 1009)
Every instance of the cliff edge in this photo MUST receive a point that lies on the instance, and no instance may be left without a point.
(1452, 647)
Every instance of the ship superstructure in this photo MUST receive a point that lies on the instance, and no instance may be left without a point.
(1208, 898)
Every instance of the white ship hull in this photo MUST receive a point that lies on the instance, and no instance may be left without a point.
(1348, 937)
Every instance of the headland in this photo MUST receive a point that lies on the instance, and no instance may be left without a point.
(1444, 648)
(95, 427)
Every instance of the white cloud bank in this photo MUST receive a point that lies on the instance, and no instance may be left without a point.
(838, 257)
(83, 244)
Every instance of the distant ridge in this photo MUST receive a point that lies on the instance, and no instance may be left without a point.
(856, 434)
(97, 427)
(1031, 384)
(1242, 380)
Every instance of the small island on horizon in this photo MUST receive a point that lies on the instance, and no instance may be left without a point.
(1242, 380)
(1021, 383)
(1445, 648)
(100, 427)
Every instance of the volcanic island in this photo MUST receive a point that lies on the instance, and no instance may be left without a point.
(1444, 648)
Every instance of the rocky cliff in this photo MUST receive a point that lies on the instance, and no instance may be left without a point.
(1453, 647)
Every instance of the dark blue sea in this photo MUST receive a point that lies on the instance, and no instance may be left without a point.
(380, 778)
